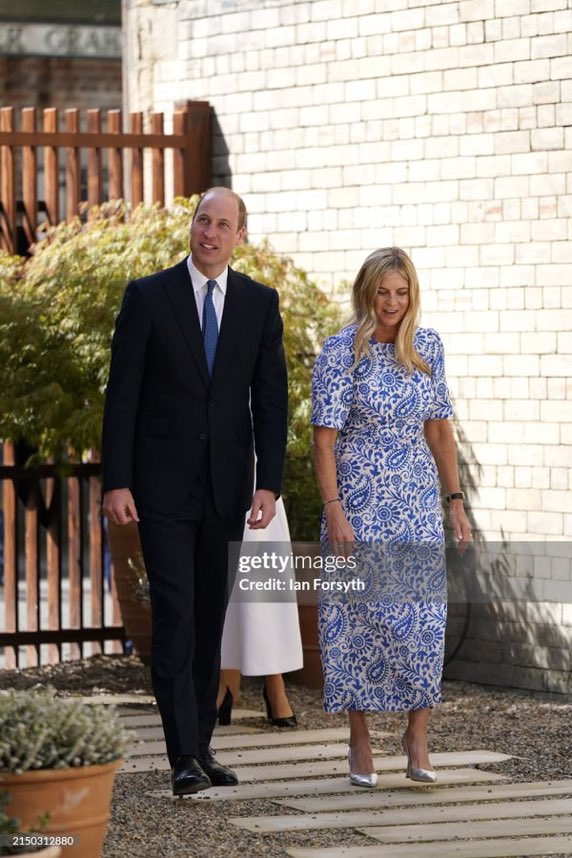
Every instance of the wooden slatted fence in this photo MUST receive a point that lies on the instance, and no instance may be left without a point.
(46, 172)
(59, 597)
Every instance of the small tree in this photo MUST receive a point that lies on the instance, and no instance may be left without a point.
(57, 312)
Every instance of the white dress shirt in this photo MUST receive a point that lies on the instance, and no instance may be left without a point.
(200, 289)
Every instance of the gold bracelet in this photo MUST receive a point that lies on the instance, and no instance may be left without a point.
(333, 500)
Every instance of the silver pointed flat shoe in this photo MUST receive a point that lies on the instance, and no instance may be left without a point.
(423, 776)
(369, 781)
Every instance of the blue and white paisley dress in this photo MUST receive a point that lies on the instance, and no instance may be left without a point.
(383, 649)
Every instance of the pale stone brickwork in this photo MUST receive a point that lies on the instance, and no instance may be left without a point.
(443, 127)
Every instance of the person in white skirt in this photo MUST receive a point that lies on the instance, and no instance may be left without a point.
(261, 639)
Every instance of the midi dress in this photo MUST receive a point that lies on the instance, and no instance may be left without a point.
(382, 649)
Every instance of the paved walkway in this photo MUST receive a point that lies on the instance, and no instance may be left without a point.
(306, 771)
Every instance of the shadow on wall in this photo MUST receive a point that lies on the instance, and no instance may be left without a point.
(220, 167)
(459, 613)
(510, 618)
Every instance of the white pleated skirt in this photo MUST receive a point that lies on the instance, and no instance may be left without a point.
(262, 638)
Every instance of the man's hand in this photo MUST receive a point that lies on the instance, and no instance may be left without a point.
(264, 502)
(119, 506)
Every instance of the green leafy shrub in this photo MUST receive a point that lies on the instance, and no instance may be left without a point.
(57, 312)
(41, 731)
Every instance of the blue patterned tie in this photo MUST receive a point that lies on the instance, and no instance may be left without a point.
(210, 326)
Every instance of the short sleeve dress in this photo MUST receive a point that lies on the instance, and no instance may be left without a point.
(384, 651)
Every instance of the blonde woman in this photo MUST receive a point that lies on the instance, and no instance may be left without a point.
(380, 410)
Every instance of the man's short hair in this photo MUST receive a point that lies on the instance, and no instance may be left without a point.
(239, 201)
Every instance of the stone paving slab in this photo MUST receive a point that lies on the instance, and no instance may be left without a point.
(287, 771)
(283, 754)
(256, 756)
(378, 798)
(382, 764)
(228, 736)
(525, 847)
(470, 830)
(146, 711)
(151, 722)
(263, 772)
(153, 719)
(235, 730)
(142, 719)
(260, 738)
(339, 786)
(244, 714)
(429, 815)
(119, 699)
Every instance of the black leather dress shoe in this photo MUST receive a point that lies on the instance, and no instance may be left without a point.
(219, 775)
(188, 777)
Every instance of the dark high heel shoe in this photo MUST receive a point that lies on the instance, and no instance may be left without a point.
(225, 709)
(290, 721)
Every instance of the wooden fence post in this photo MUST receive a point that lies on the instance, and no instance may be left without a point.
(75, 549)
(158, 163)
(95, 558)
(10, 509)
(51, 169)
(54, 564)
(115, 158)
(29, 179)
(73, 182)
(137, 187)
(93, 161)
(7, 195)
(197, 170)
(31, 566)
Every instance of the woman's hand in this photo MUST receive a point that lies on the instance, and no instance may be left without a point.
(441, 442)
(460, 524)
(340, 533)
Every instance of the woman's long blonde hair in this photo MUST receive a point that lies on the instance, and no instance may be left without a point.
(376, 266)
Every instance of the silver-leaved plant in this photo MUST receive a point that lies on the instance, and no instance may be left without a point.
(41, 731)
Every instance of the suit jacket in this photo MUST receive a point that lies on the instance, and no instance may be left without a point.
(167, 427)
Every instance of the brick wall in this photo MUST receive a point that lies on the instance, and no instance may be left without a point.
(63, 82)
(443, 127)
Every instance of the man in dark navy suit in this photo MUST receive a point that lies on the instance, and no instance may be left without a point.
(197, 383)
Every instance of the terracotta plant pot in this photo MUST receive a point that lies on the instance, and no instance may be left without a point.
(310, 674)
(48, 852)
(76, 801)
(128, 570)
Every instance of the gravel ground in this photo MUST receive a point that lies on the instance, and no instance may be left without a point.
(535, 728)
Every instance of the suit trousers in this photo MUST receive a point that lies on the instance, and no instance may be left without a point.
(187, 565)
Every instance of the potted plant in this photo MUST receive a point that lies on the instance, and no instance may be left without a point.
(58, 758)
(15, 842)
(57, 312)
